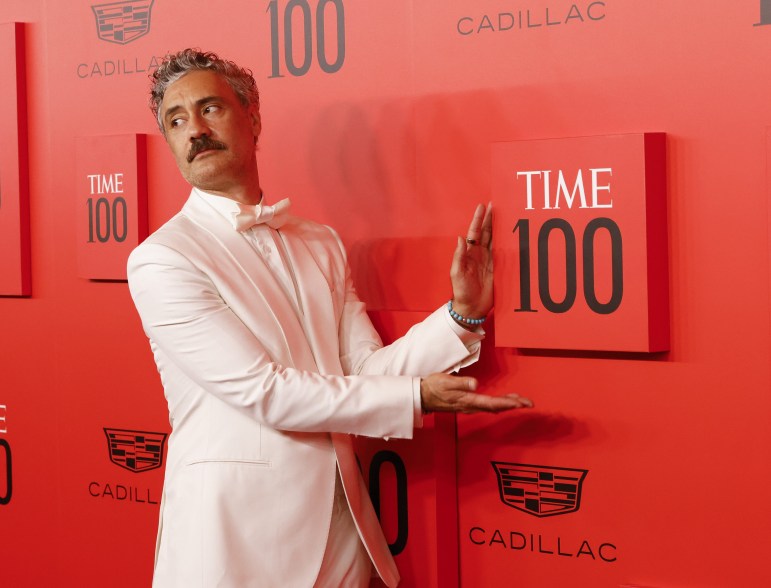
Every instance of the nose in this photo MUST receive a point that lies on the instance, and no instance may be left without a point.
(197, 127)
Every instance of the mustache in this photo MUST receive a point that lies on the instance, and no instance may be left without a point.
(203, 143)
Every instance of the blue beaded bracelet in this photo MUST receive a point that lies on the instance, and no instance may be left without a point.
(463, 319)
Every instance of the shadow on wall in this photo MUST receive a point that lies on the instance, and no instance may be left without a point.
(412, 165)
(362, 162)
(407, 274)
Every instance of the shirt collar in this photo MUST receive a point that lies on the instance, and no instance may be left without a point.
(223, 205)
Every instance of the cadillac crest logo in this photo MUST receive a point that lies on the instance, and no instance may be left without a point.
(541, 491)
(137, 451)
(123, 22)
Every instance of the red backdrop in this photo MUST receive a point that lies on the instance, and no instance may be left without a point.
(379, 119)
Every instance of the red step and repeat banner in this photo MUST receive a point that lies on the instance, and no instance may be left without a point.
(624, 148)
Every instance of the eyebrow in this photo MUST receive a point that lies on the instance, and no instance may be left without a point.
(200, 102)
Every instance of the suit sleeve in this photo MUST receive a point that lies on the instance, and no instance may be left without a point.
(190, 325)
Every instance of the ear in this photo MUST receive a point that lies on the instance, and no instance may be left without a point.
(254, 116)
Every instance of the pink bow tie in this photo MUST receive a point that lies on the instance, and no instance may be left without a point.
(273, 216)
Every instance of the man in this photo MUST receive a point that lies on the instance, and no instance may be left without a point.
(269, 362)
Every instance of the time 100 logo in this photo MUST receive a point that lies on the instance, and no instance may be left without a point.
(107, 220)
(591, 190)
(299, 36)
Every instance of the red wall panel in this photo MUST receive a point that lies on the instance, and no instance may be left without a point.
(14, 179)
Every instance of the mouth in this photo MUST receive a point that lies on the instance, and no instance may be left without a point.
(197, 154)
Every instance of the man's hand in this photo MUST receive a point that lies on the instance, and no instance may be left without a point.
(446, 393)
(472, 267)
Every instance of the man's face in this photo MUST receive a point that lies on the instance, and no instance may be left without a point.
(211, 134)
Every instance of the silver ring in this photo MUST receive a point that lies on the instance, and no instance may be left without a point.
(472, 241)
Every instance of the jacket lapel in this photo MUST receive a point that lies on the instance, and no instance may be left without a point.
(257, 298)
(316, 298)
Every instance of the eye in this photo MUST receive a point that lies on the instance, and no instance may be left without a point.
(175, 122)
(211, 108)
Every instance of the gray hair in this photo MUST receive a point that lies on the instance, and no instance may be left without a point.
(177, 65)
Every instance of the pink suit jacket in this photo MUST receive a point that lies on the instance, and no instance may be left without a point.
(263, 399)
